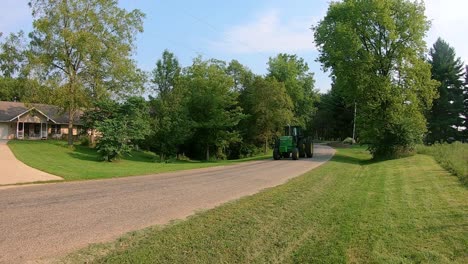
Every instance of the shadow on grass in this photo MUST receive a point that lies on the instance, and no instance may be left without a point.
(343, 158)
(86, 154)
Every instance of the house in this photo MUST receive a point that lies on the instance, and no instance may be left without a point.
(34, 121)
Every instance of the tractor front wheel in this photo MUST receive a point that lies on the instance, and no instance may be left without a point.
(295, 154)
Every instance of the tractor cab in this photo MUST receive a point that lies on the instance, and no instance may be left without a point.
(293, 144)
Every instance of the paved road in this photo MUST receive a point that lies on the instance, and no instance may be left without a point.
(14, 171)
(43, 221)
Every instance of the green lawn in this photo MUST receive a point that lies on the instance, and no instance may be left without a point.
(82, 163)
(349, 210)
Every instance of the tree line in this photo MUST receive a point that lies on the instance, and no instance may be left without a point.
(79, 57)
(219, 109)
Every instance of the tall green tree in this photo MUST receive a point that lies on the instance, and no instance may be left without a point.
(241, 75)
(212, 105)
(269, 108)
(16, 83)
(444, 116)
(83, 48)
(299, 82)
(334, 117)
(166, 73)
(171, 125)
(375, 51)
(12, 55)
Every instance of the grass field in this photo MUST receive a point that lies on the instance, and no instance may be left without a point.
(452, 157)
(82, 163)
(349, 210)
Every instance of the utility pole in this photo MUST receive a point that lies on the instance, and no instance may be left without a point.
(354, 122)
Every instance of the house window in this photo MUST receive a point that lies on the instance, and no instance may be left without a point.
(56, 129)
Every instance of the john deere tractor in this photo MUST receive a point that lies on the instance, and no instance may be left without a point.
(293, 144)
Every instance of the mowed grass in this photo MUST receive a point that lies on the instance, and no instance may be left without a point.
(349, 210)
(83, 163)
(452, 157)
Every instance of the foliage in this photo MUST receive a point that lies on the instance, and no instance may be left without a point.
(375, 50)
(299, 82)
(452, 157)
(444, 116)
(12, 55)
(120, 126)
(212, 105)
(242, 76)
(269, 108)
(465, 108)
(334, 117)
(170, 123)
(346, 211)
(83, 49)
(166, 73)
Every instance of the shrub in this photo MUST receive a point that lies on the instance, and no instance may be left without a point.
(84, 140)
(349, 140)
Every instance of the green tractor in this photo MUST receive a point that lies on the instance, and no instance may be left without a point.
(293, 144)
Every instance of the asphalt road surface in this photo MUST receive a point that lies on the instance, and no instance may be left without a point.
(38, 222)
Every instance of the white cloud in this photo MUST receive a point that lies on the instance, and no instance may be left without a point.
(268, 34)
(449, 21)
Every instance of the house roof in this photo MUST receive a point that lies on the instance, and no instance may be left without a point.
(11, 110)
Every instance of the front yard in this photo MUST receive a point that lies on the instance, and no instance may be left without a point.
(82, 163)
(349, 210)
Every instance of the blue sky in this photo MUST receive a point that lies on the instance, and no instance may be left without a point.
(249, 31)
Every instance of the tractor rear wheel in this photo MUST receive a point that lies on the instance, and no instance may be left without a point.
(276, 154)
(309, 148)
(295, 154)
(302, 148)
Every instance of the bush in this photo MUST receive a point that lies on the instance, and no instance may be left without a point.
(452, 157)
(84, 140)
(349, 140)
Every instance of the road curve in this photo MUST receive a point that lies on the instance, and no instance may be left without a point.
(44, 221)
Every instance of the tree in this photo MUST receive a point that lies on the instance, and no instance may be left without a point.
(299, 83)
(212, 104)
(12, 55)
(166, 73)
(14, 82)
(120, 125)
(334, 118)
(269, 107)
(375, 52)
(241, 75)
(83, 49)
(171, 126)
(444, 117)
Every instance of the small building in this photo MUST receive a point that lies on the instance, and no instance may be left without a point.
(34, 121)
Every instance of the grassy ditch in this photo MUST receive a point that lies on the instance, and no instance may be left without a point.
(452, 157)
(350, 210)
(82, 163)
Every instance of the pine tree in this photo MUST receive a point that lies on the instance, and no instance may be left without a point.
(444, 116)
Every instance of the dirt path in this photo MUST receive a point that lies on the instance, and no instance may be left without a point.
(44, 221)
(14, 171)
